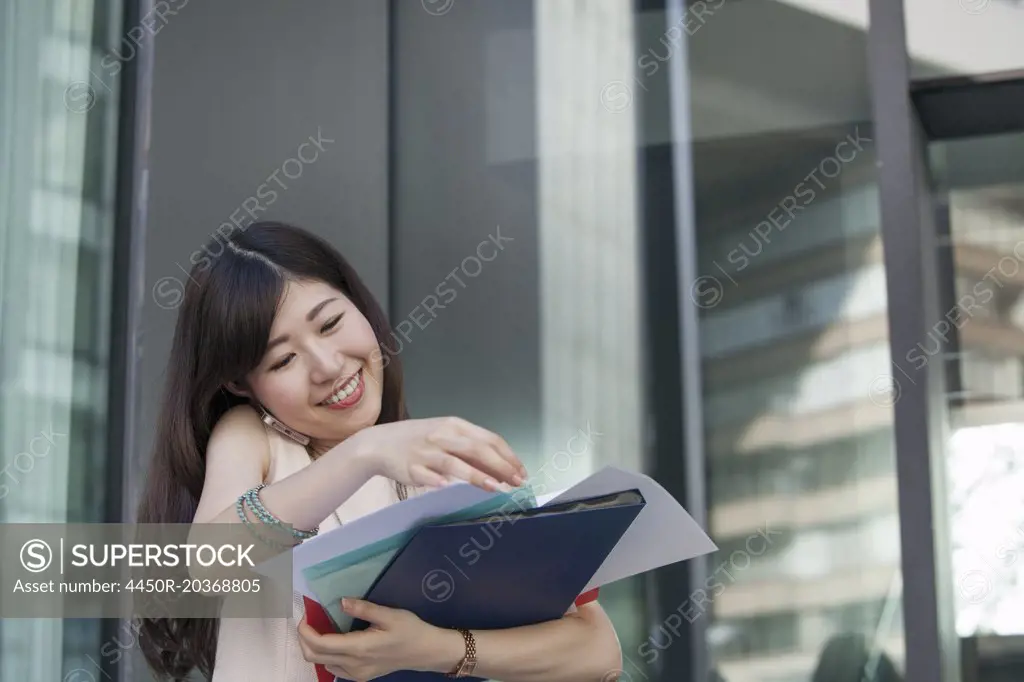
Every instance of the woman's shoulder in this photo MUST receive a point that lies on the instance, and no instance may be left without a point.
(240, 430)
(237, 420)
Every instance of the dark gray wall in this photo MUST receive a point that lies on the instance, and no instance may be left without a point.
(465, 164)
(238, 86)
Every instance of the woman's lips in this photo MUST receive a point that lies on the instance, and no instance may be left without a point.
(351, 400)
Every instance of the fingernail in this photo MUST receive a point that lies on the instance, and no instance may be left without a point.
(517, 479)
(346, 604)
(491, 483)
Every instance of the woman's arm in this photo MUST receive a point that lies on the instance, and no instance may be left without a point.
(238, 458)
(579, 647)
(413, 452)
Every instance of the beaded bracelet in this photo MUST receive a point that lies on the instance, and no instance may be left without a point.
(252, 496)
(240, 508)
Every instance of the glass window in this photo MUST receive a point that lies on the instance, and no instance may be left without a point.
(830, 382)
(58, 131)
(979, 193)
(515, 201)
(522, 119)
(798, 423)
(774, 634)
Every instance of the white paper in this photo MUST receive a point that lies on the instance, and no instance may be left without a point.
(663, 532)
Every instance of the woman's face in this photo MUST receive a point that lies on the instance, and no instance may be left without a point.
(322, 373)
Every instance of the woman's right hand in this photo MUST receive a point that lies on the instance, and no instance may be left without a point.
(427, 452)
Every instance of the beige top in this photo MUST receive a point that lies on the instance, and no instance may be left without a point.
(268, 649)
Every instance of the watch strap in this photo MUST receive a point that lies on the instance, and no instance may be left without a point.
(466, 666)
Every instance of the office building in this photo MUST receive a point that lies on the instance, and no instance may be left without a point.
(766, 251)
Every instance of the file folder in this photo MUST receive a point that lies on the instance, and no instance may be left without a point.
(502, 570)
(644, 547)
(352, 573)
(662, 533)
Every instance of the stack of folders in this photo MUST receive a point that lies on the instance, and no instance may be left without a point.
(462, 557)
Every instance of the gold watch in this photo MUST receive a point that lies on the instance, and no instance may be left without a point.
(467, 665)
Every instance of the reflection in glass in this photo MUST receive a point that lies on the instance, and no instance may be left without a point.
(979, 194)
(798, 386)
(500, 127)
(58, 130)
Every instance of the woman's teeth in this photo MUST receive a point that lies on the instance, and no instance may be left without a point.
(345, 391)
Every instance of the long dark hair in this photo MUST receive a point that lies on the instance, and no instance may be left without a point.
(222, 331)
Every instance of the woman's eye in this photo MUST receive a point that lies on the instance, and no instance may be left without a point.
(281, 363)
(331, 323)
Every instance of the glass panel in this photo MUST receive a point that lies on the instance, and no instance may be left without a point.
(520, 117)
(979, 192)
(516, 207)
(57, 153)
(798, 424)
(964, 37)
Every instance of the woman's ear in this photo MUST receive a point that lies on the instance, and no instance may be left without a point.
(237, 389)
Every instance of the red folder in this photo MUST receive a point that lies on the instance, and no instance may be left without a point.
(586, 597)
(318, 619)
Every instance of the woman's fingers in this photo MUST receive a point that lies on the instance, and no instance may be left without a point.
(449, 464)
(482, 456)
(495, 441)
(425, 476)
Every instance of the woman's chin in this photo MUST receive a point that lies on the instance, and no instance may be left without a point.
(337, 427)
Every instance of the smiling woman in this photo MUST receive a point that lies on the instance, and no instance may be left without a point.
(280, 414)
(309, 385)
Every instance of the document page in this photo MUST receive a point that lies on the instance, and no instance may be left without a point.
(322, 567)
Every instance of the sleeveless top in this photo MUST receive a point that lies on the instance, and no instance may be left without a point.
(268, 648)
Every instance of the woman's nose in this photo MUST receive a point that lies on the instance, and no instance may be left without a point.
(327, 364)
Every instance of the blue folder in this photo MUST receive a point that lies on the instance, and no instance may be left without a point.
(502, 570)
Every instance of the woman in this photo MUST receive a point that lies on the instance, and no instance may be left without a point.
(281, 393)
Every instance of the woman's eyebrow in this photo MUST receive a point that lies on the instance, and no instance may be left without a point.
(318, 307)
(314, 311)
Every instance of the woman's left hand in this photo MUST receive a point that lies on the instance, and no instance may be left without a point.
(396, 640)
